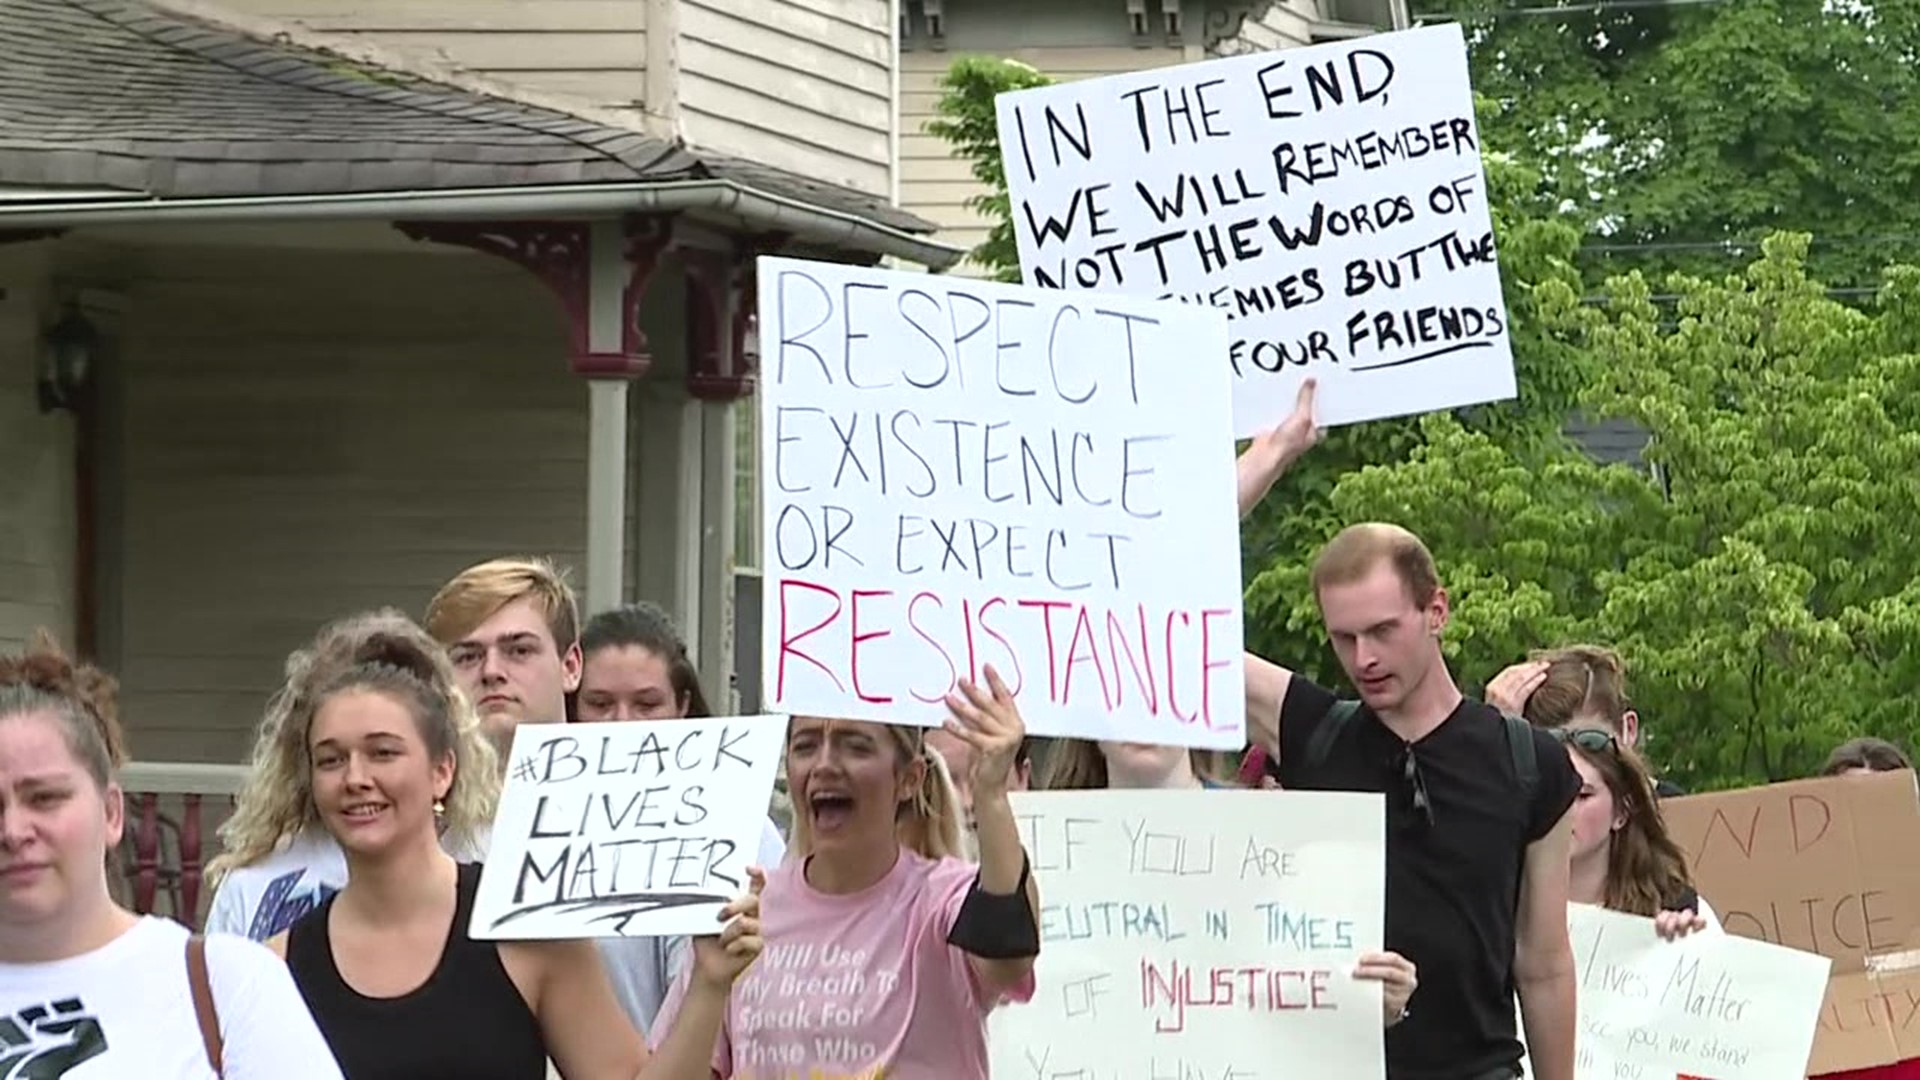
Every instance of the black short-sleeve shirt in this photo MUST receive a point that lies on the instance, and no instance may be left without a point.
(1453, 885)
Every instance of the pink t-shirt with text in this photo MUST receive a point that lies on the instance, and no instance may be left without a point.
(857, 987)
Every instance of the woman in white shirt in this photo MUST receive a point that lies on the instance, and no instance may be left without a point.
(88, 989)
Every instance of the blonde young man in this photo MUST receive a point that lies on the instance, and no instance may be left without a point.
(1477, 874)
(512, 629)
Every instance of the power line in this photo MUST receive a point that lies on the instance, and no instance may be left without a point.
(1733, 247)
(1596, 7)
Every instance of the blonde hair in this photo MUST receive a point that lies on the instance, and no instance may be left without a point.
(382, 651)
(476, 593)
(928, 823)
(1581, 681)
(1357, 549)
(1080, 765)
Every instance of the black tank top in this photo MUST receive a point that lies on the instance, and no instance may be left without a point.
(467, 1021)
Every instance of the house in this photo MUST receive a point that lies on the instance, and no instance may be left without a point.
(1081, 39)
(307, 304)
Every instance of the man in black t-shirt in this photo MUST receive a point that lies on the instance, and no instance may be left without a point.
(1476, 875)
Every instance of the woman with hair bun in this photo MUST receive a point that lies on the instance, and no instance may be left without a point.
(87, 988)
(384, 751)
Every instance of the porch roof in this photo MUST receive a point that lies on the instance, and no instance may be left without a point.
(116, 97)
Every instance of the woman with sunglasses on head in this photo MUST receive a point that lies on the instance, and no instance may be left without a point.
(886, 949)
(88, 988)
(377, 750)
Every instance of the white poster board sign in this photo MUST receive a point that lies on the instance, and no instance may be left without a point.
(1200, 934)
(962, 473)
(638, 829)
(1330, 200)
(1710, 1006)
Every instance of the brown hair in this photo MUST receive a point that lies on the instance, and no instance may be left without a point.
(647, 626)
(1079, 765)
(928, 823)
(1357, 549)
(1866, 752)
(81, 699)
(476, 593)
(1582, 681)
(1646, 871)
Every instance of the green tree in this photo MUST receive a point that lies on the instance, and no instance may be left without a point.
(1701, 123)
(1760, 588)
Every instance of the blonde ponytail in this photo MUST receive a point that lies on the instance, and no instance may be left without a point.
(931, 824)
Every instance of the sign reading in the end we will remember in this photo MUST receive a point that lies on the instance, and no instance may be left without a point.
(640, 829)
(959, 474)
(1200, 934)
(1330, 200)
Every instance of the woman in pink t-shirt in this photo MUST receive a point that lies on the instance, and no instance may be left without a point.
(885, 950)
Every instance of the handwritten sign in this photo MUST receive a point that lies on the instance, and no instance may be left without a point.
(640, 829)
(1828, 866)
(965, 473)
(1330, 200)
(1200, 934)
(1708, 1005)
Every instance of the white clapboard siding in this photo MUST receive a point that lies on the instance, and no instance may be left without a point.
(37, 517)
(802, 85)
(594, 51)
(933, 182)
(309, 437)
(1283, 24)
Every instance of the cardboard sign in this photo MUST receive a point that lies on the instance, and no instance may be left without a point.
(1329, 200)
(964, 473)
(1200, 934)
(1829, 866)
(640, 829)
(1708, 1005)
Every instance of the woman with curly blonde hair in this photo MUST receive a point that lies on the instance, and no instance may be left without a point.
(386, 753)
(278, 863)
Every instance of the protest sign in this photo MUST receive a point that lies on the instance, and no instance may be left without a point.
(1829, 866)
(1200, 934)
(961, 474)
(1710, 1005)
(1330, 200)
(640, 829)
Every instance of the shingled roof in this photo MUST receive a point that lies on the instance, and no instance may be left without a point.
(116, 94)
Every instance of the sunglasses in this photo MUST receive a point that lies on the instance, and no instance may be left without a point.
(1592, 740)
(1416, 785)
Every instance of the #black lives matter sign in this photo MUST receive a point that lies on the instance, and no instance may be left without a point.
(960, 473)
(1330, 200)
(640, 829)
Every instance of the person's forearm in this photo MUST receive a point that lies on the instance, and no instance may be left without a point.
(1547, 1011)
(1256, 472)
(687, 1051)
(1002, 858)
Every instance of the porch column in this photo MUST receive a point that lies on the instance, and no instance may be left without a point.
(719, 377)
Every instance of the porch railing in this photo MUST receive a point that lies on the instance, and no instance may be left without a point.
(174, 809)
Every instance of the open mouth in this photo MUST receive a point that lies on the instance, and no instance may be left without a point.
(361, 813)
(831, 810)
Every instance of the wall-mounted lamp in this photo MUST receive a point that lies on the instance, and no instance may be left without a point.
(750, 343)
(68, 352)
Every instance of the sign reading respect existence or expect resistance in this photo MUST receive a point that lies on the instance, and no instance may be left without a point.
(958, 474)
(1200, 934)
(1330, 200)
(638, 829)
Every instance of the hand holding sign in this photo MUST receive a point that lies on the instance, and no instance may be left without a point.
(720, 959)
(1398, 979)
(1273, 451)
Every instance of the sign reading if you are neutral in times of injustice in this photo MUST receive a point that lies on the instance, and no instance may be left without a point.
(958, 474)
(637, 829)
(1330, 200)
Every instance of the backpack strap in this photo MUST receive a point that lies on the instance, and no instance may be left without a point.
(1526, 763)
(204, 1010)
(1320, 746)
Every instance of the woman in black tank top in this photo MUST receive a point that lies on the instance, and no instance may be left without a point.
(374, 746)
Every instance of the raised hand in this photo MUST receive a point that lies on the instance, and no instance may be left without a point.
(1273, 450)
(988, 721)
(1510, 689)
(720, 959)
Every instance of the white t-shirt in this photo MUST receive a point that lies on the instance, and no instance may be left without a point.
(126, 1009)
(264, 899)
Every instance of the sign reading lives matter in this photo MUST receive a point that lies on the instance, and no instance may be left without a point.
(959, 474)
(639, 829)
(1200, 935)
(1330, 200)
